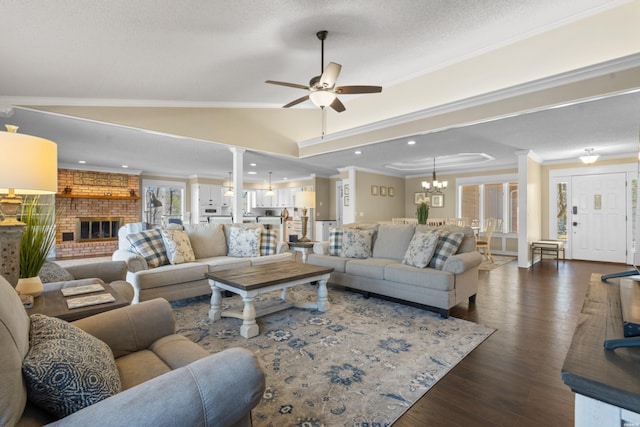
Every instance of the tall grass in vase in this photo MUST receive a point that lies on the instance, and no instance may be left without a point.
(38, 238)
(422, 212)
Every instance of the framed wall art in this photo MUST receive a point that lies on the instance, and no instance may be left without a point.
(383, 191)
(418, 198)
(374, 190)
(437, 201)
(390, 192)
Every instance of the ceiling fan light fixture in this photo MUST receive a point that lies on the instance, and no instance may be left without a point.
(590, 157)
(322, 98)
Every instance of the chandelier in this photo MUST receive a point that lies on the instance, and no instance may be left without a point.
(436, 186)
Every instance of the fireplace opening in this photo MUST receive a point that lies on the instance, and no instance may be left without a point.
(97, 229)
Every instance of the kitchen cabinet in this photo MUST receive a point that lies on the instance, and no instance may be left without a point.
(263, 200)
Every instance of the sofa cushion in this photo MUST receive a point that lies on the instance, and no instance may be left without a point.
(356, 243)
(423, 277)
(335, 241)
(67, 369)
(178, 245)
(268, 242)
(370, 267)
(268, 259)
(167, 275)
(337, 263)
(392, 240)
(448, 244)
(149, 245)
(207, 240)
(244, 242)
(421, 249)
(52, 272)
(220, 263)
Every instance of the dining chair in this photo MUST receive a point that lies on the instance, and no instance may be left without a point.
(484, 242)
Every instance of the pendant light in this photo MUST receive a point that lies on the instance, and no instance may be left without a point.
(270, 191)
(229, 192)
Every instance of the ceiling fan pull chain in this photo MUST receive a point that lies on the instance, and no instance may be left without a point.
(324, 122)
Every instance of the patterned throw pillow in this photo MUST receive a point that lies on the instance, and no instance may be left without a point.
(268, 242)
(356, 243)
(244, 242)
(335, 241)
(178, 245)
(448, 245)
(149, 245)
(421, 249)
(66, 369)
(52, 272)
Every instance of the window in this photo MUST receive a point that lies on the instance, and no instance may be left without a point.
(162, 201)
(481, 198)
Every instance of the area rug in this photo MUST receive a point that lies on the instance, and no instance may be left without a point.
(498, 261)
(362, 363)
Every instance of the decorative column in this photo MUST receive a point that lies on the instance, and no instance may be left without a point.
(10, 236)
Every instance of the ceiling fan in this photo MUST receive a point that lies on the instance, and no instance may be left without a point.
(322, 89)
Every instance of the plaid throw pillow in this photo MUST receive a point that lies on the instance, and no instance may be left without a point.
(149, 245)
(335, 241)
(268, 242)
(448, 245)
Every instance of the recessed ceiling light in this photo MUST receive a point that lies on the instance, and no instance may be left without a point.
(252, 172)
(125, 166)
(411, 142)
(358, 152)
(252, 164)
(82, 161)
(288, 178)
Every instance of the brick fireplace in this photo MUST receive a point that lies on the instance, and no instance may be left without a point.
(87, 195)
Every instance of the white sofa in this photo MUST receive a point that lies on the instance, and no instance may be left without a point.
(383, 272)
(210, 244)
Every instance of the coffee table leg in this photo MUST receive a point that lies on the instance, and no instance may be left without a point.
(249, 326)
(215, 313)
(323, 296)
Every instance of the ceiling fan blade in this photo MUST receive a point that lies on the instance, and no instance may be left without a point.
(297, 101)
(352, 90)
(330, 75)
(294, 85)
(337, 105)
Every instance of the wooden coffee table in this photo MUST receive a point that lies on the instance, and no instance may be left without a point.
(54, 304)
(249, 282)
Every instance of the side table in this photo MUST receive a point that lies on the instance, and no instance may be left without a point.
(304, 247)
(54, 304)
(549, 247)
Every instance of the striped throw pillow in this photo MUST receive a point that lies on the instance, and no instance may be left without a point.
(268, 242)
(335, 241)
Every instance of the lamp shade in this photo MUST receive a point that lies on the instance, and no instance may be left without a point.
(28, 165)
(305, 199)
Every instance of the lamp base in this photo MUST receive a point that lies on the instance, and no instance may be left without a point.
(10, 251)
(10, 207)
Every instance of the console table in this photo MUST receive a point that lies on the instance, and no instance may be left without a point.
(606, 382)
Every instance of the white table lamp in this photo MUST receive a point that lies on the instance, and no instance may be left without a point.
(28, 165)
(305, 200)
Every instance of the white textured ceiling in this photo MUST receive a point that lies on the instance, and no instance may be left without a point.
(219, 53)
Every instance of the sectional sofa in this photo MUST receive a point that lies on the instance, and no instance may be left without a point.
(436, 267)
(171, 262)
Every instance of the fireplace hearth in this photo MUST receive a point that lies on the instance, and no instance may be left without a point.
(95, 229)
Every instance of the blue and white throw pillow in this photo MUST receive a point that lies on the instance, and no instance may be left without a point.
(268, 242)
(356, 243)
(244, 242)
(335, 241)
(66, 369)
(149, 245)
(448, 245)
(421, 249)
(178, 245)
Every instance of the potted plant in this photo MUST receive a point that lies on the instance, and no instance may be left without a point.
(422, 211)
(38, 238)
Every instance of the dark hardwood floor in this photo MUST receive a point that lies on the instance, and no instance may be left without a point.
(513, 378)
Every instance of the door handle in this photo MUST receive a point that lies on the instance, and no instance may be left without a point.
(575, 223)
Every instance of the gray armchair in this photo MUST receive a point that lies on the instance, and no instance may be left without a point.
(166, 379)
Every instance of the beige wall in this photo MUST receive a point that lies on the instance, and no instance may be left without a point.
(378, 208)
(323, 199)
(534, 199)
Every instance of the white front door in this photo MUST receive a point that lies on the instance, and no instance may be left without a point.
(598, 217)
